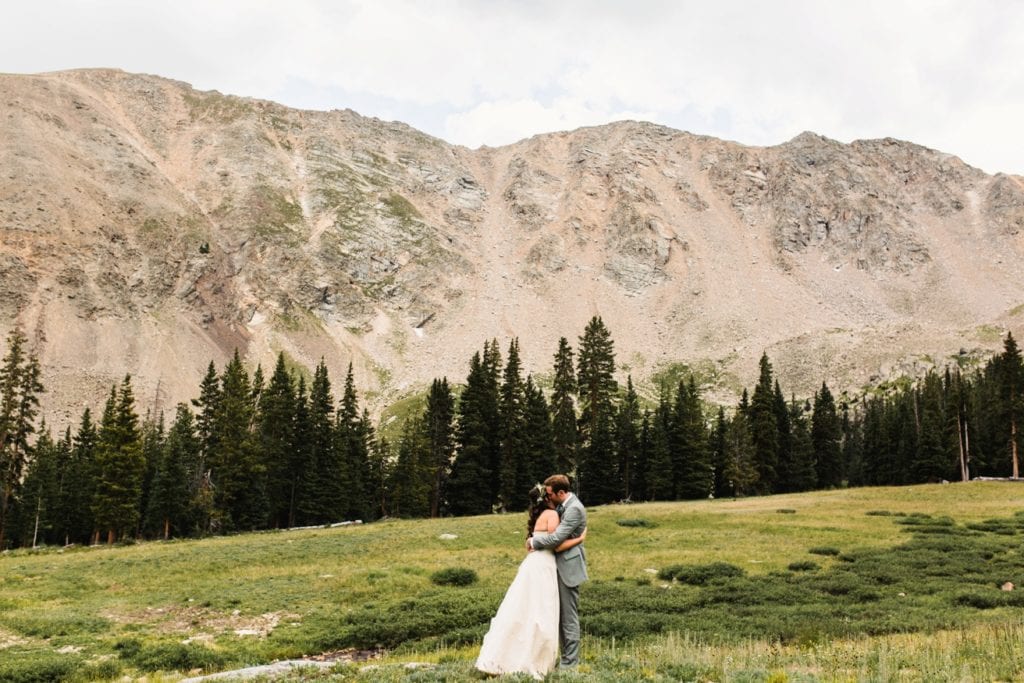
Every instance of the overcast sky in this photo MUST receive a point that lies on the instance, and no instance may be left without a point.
(948, 74)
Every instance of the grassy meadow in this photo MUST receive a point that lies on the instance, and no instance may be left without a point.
(870, 584)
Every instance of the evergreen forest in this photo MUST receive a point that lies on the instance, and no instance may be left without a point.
(253, 452)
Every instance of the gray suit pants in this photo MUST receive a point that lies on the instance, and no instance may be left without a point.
(569, 623)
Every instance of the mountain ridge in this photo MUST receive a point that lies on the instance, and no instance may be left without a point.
(329, 234)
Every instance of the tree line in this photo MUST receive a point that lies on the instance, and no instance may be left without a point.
(251, 453)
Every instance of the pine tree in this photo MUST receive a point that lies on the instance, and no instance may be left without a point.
(276, 438)
(19, 402)
(364, 438)
(120, 466)
(64, 521)
(514, 471)
(351, 453)
(786, 468)
(439, 426)
(853, 447)
(718, 460)
(826, 436)
(381, 473)
(627, 440)
(877, 461)
(39, 503)
(152, 454)
(803, 474)
(933, 462)
(694, 477)
(170, 501)
(957, 427)
(208, 404)
(541, 461)
(597, 477)
(565, 432)
(764, 430)
(239, 478)
(321, 484)
(904, 436)
(471, 481)
(1011, 390)
(411, 478)
(643, 459)
(83, 473)
(659, 460)
(492, 365)
(302, 466)
(741, 468)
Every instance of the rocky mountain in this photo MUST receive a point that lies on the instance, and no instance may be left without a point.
(149, 228)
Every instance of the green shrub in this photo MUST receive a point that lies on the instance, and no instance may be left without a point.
(786, 511)
(127, 648)
(977, 600)
(441, 616)
(37, 667)
(804, 566)
(878, 513)
(105, 670)
(700, 574)
(647, 524)
(57, 624)
(824, 550)
(176, 656)
(454, 576)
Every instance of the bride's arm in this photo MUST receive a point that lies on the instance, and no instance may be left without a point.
(572, 542)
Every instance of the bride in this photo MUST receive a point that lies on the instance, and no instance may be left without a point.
(524, 633)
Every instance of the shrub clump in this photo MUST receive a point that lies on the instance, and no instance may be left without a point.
(786, 511)
(645, 523)
(804, 566)
(977, 600)
(175, 657)
(454, 576)
(38, 668)
(700, 574)
(824, 550)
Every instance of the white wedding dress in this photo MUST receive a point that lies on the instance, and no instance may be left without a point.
(524, 633)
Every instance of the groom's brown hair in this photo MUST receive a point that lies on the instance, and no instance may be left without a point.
(557, 482)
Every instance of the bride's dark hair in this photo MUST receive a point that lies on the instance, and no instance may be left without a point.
(538, 504)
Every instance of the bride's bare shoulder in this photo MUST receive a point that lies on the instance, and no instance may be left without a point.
(548, 520)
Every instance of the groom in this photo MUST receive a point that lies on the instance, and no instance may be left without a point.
(571, 564)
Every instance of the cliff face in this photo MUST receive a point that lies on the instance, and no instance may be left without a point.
(148, 228)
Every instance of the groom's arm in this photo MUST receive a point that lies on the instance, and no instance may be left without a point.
(572, 520)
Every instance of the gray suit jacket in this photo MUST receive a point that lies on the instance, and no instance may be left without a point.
(572, 564)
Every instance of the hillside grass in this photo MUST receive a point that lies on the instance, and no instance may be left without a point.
(859, 584)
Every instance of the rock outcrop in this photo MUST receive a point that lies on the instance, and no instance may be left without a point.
(148, 228)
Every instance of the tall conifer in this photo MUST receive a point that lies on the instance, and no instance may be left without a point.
(276, 439)
(19, 402)
(439, 428)
(541, 461)
(514, 471)
(764, 429)
(120, 466)
(826, 436)
(597, 477)
(471, 483)
(565, 432)
(627, 440)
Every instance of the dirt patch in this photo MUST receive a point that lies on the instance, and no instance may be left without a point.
(348, 655)
(201, 623)
(8, 639)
